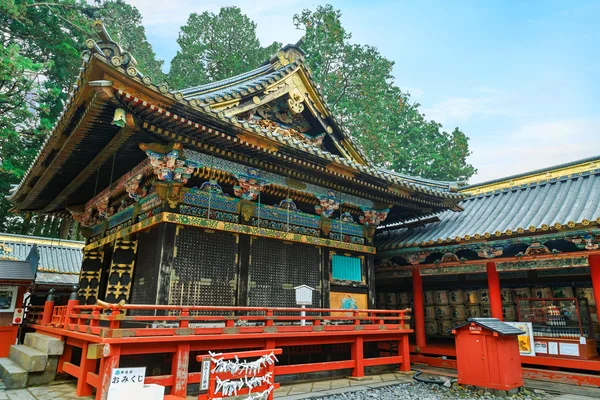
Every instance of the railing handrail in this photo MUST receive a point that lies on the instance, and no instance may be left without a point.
(159, 307)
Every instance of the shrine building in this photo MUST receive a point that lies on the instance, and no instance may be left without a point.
(204, 208)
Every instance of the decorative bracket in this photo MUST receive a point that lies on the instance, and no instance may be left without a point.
(250, 184)
(328, 204)
(168, 162)
(373, 217)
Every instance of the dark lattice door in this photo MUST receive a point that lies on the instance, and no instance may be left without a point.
(121, 271)
(205, 268)
(90, 275)
(276, 267)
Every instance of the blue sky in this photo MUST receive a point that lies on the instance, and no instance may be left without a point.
(520, 78)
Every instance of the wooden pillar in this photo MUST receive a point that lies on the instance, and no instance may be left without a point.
(106, 366)
(357, 354)
(85, 365)
(419, 309)
(594, 261)
(404, 351)
(243, 269)
(370, 267)
(180, 370)
(494, 289)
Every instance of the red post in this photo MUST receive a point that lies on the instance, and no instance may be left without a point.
(357, 354)
(48, 310)
(594, 261)
(179, 369)
(494, 288)
(65, 357)
(419, 309)
(85, 366)
(106, 366)
(67, 318)
(404, 350)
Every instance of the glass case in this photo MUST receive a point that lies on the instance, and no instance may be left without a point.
(556, 318)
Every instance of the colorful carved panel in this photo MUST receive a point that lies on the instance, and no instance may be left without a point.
(328, 204)
(348, 301)
(373, 217)
(90, 275)
(120, 274)
(168, 162)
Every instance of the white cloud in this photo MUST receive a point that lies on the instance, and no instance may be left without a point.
(534, 146)
(488, 102)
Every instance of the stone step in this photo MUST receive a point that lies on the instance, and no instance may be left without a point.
(46, 344)
(46, 376)
(12, 374)
(30, 359)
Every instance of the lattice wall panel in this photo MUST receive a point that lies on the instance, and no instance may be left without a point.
(277, 267)
(90, 275)
(146, 273)
(121, 271)
(205, 268)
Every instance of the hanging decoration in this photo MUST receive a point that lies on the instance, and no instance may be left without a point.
(328, 204)
(250, 376)
(373, 217)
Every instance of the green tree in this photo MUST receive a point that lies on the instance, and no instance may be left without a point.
(124, 23)
(359, 87)
(217, 46)
(40, 47)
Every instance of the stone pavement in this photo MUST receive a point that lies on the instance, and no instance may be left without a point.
(297, 391)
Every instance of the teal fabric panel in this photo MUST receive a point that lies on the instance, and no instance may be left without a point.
(346, 268)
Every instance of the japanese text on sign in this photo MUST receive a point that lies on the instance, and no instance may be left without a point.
(130, 377)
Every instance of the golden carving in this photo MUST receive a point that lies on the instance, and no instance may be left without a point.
(340, 169)
(260, 142)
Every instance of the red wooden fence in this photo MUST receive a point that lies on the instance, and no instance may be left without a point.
(106, 332)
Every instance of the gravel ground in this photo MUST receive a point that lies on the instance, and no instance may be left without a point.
(424, 391)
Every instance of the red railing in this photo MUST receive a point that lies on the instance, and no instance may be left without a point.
(59, 314)
(106, 320)
(105, 332)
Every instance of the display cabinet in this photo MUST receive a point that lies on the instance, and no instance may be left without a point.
(561, 327)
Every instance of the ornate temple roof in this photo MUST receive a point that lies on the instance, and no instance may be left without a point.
(59, 260)
(558, 202)
(274, 115)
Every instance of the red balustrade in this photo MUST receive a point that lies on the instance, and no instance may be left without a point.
(106, 332)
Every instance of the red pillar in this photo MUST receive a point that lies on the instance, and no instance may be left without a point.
(357, 354)
(180, 370)
(419, 309)
(594, 261)
(403, 350)
(494, 288)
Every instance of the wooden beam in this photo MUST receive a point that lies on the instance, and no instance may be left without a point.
(92, 167)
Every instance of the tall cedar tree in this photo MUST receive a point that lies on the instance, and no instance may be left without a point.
(40, 47)
(359, 87)
(215, 47)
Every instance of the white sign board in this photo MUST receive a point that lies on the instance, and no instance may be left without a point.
(526, 342)
(128, 384)
(569, 349)
(128, 377)
(205, 374)
(304, 295)
(553, 348)
(541, 348)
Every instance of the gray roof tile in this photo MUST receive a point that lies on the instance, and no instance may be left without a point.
(566, 201)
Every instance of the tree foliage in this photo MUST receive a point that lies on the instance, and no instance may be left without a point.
(360, 89)
(40, 47)
(215, 47)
